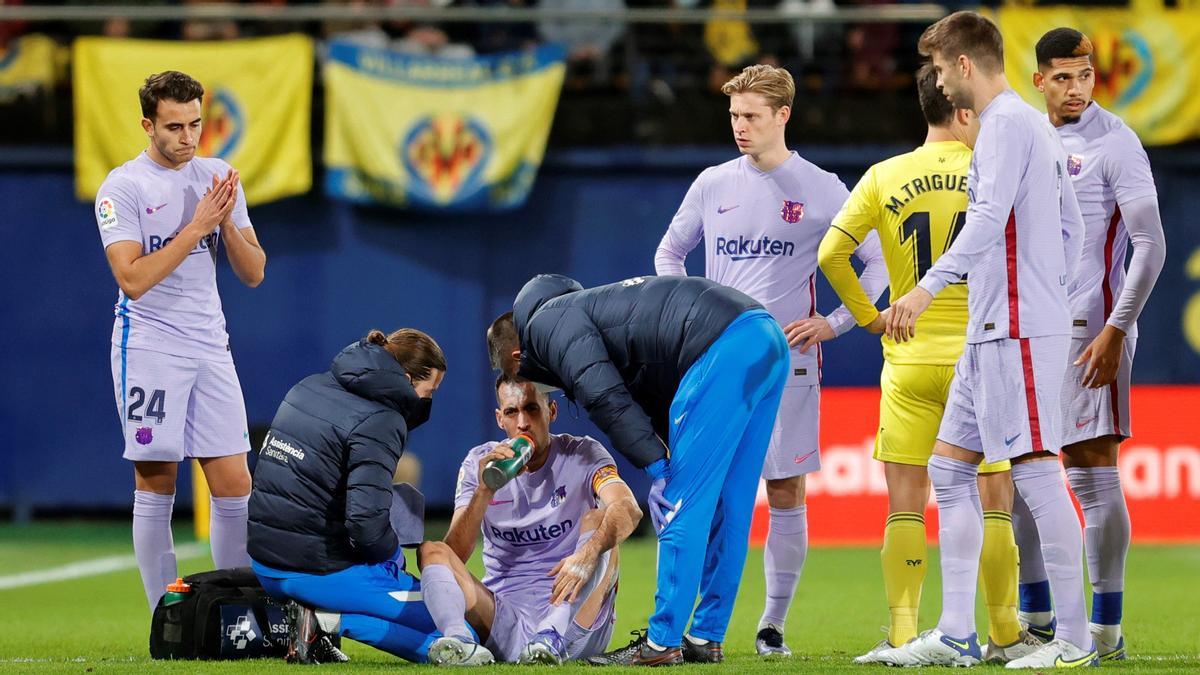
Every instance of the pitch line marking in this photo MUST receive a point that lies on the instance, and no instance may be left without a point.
(90, 568)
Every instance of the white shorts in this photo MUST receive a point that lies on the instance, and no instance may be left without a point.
(516, 621)
(795, 444)
(172, 407)
(1092, 413)
(1005, 398)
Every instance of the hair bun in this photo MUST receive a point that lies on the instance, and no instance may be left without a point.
(376, 337)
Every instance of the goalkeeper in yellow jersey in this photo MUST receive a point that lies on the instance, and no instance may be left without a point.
(917, 202)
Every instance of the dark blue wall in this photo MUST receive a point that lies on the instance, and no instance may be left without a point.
(335, 271)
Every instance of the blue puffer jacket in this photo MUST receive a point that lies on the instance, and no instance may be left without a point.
(621, 350)
(323, 484)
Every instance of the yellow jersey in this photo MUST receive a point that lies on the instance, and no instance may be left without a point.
(917, 202)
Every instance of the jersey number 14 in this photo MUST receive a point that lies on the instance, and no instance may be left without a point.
(916, 226)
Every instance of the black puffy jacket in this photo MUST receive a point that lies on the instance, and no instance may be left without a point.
(621, 350)
(323, 483)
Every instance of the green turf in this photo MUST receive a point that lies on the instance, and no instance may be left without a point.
(100, 623)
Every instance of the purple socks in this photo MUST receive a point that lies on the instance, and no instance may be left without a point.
(153, 545)
(1041, 487)
(960, 536)
(445, 601)
(227, 531)
(783, 561)
(1106, 537)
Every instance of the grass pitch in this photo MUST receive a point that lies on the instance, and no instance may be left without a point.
(100, 623)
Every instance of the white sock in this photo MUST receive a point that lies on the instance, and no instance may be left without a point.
(1109, 635)
(1036, 618)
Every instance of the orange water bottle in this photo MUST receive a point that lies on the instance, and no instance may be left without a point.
(176, 592)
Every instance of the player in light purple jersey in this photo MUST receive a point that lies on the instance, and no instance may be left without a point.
(761, 217)
(1112, 180)
(1020, 245)
(161, 216)
(550, 538)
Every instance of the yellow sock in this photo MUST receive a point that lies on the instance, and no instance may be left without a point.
(904, 563)
(998, 574)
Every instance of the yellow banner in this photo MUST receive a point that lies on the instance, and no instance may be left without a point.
(257, 107)
(1147, 69)
(437, 134)
(29, 63)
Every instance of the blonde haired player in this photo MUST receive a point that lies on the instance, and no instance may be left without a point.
(762, 216)
(917, 203)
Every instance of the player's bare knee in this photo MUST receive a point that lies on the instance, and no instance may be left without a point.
(943, 449)
(908, 487)
(156, 477)
(1096, 452)
(434, 553)
(227, 476)
(996, 491)
(785, 493)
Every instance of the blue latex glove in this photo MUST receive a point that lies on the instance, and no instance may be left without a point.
(397, 559)
(661, 509)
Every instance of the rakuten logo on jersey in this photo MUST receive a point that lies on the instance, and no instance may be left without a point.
(532, 535)
(208, 241)
(748, 249)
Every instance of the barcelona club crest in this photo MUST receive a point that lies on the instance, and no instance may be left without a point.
(559, 496)
(223, 125)
(792, 212)
(445, 157)
(1074, 164)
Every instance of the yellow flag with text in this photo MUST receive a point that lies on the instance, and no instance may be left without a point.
(256, 111)
(1147, 69)
(437, 134)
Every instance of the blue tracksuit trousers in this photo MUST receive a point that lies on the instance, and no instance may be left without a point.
(721, 422)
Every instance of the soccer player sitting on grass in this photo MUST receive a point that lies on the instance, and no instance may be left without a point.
(550, 538)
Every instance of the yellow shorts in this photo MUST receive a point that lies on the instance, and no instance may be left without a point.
(910, 412)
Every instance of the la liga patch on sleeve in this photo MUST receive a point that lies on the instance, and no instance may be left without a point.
(106, 212)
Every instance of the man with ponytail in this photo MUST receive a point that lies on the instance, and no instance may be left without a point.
(320, 531)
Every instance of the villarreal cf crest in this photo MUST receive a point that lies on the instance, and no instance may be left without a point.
(223, 124)
(445, 157)
(791, 212)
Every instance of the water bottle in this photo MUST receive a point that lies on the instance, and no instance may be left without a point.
(498, 472)
(176, 592)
